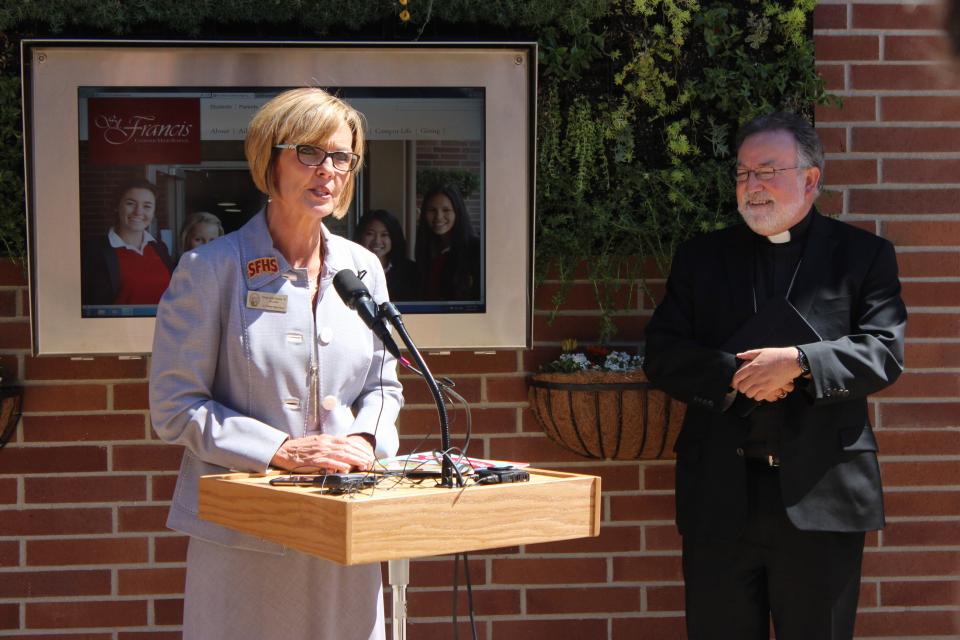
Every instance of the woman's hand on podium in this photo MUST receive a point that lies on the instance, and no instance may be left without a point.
(325, 453)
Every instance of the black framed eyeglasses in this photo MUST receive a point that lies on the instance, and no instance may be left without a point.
(763, 173)
(314, 156)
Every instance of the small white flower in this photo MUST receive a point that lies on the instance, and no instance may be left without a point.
(621, 361)
(618, 361)
(577, 359)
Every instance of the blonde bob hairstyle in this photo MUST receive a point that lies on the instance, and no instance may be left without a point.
(299, 116)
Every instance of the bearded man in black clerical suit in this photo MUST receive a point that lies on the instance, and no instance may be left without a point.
(774, 333)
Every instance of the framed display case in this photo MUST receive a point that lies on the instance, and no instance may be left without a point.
(160, 126)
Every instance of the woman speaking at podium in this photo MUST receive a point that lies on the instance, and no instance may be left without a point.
(257, 363)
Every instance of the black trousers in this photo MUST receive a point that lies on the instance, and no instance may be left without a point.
(807, 581)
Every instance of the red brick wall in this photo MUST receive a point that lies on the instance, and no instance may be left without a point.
(894, 163)
(84, 484)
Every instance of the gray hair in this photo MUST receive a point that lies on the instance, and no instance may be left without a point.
(809, 148)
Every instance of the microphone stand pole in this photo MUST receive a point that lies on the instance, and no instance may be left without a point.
(399, 570)
(447, 474)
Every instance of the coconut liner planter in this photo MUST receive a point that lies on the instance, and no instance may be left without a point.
(606, 414)
(10, 403)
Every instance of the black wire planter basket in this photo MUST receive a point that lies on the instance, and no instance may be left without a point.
(606, 415)
(10, 405)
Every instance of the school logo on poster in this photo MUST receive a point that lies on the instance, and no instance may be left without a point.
(143, 130)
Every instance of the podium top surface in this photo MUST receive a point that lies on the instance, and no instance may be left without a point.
(403, 519)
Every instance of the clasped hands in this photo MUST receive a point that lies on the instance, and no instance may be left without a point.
(767, 374)
(324, 453)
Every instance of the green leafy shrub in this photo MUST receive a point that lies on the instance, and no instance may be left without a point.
(642, 159)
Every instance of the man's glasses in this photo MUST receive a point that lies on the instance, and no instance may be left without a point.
(315, 156)
(763, 173)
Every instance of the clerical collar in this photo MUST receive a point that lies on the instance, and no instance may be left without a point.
(796, 232)
(780, 238)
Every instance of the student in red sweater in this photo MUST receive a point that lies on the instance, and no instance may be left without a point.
(128, 266)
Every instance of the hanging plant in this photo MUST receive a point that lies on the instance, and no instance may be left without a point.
(635, 149)
(597, 403)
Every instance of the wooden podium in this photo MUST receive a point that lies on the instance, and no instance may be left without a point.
(400, 519)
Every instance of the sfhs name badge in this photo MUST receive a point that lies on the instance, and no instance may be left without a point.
(274, 302)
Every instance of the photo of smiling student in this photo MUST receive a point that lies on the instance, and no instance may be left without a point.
(447, 250)
(199, 229)
(380, 232)
(127, 265)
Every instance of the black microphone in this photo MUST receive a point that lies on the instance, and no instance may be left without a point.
(447, 471)
(356, 296)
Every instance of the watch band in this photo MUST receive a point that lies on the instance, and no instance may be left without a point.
(802, 362)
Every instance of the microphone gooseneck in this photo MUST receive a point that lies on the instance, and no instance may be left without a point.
(356, 296)
(447, 474)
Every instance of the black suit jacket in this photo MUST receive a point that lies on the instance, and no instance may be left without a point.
(848, 290)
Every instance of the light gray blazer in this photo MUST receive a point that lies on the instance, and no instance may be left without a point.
(230, 380)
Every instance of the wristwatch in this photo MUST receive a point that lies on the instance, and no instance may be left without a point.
(802, 362)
